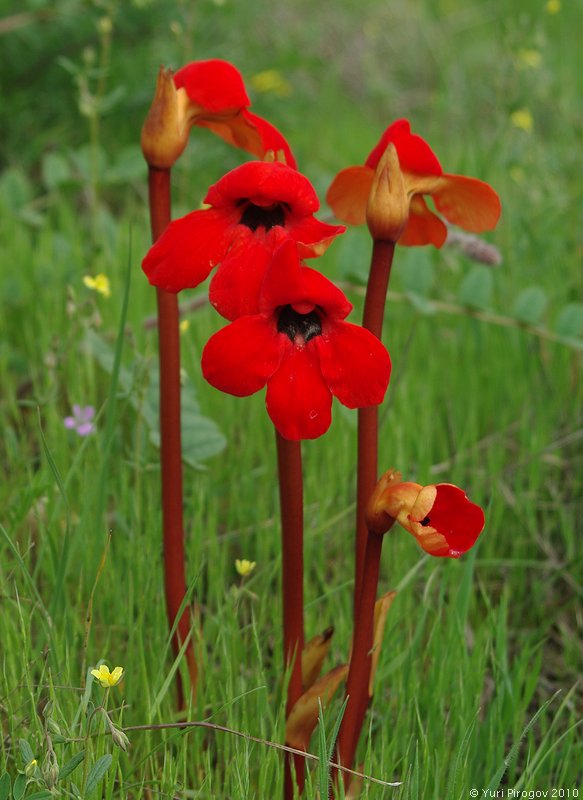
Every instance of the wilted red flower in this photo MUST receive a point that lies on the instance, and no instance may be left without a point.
(467, 202)
(210, 94)
(440, 516)
(251, 207)
(301, 348)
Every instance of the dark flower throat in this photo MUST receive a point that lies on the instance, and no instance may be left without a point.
(294, 325)
(262, 217)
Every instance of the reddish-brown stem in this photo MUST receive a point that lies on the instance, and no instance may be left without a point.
(360, 662)
(374, 310)
(170, 443)
(291, 498)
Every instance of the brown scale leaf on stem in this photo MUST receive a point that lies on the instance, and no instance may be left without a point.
(304, 715)
(313, 655)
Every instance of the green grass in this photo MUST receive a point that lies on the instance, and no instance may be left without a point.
(473, 649)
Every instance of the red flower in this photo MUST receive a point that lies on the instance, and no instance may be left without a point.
(251, 207)
(301, 348)
(210, 94)
(467, 202)
(444, 521)
(217, 99)
(440, 516)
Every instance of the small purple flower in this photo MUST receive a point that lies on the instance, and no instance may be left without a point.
(80, 422)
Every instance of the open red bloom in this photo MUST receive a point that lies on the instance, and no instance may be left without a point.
(213, 95)
(467, 202)
(301, 348)
(251, 207)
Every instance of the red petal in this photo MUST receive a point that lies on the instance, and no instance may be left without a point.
(235, 130)
(241, 358)
(298, 400)
(215, 85)
(348, 194)
(355, 364)
(414, 153)
(271, 138)
(313, 237)
(288, 283)
(423, 227)
(456, 517)
(188, 249)
(467, 202)
(452, 516)
(265, 183)
(234, 289)
(322, 292)
(283, 283)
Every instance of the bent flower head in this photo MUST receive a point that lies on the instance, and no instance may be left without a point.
(250, 209)
(210, 94)
(440, 516)
(467, 202)
(300, 347)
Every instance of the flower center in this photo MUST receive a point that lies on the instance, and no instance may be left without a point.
(425, 522)
(299, 328)
(262, 216)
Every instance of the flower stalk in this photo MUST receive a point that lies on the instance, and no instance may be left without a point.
(373, 316)
(361, 660)
(289, 465)
(170, 443)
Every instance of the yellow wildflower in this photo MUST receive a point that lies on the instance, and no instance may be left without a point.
(107, 678)
(184, 325)
(244, 567)
(522, 118)
(271, 80)
(553, 6)
(99, 284)
(528, 58)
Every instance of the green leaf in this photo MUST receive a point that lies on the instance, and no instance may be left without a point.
(111, 100)
(25, 751)
(353, 256)
(476, 288)
(40, 796)
(55, 170)
(5, 786)
(100, 350)
(85, 159)
(19, 787)
(530, 305)
(97, 773)
(420, 303)
(201, 436)
(570, 321)
(419, 273)
(15, 189)
(128, 166)
(71, 765)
